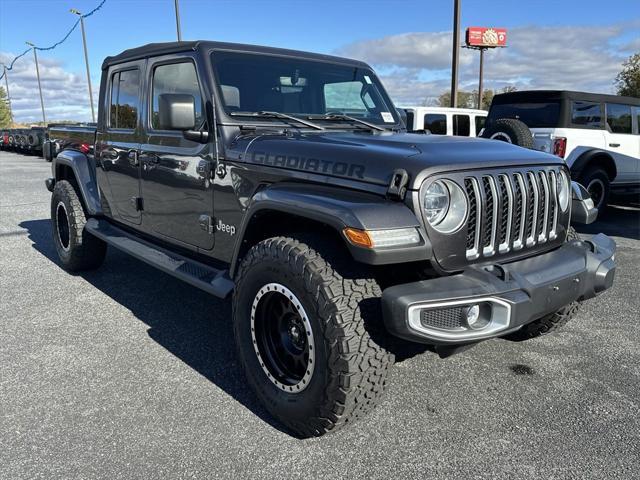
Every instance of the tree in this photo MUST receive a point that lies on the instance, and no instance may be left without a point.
(465, 99)
(470, 99)
(628, 80)
(5, 113)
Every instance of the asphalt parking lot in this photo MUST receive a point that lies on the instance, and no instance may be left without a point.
(128, 373)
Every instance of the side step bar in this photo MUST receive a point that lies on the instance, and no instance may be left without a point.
(209, 279)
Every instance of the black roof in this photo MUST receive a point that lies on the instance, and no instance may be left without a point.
(551, 95)
(156, 49)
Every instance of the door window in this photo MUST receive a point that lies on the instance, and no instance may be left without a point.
(436, 123)
(125, 99)
(176, 78)
(461, 125)
(587, 114)
(480, 121)
(619, 118)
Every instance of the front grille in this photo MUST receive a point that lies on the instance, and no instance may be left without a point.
(510, 211)
(443, 318)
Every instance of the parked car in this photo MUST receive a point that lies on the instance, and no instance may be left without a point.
(24, 140)
(463, 122)
(286, 180)
(597, 135)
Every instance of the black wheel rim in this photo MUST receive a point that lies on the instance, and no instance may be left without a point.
(62, 223)
(282, 336)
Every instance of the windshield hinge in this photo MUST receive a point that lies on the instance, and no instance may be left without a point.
(398, 185)
(206, 223)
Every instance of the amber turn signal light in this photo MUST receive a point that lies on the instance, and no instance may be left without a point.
(358, 237)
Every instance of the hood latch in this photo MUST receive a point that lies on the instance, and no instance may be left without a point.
(398, 185)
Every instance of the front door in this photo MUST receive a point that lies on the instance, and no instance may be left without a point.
(176, 172)
(118, 165)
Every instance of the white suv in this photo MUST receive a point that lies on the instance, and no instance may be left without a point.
(597, 135)
(465, 122)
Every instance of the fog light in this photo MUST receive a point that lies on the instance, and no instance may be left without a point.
(475, 317)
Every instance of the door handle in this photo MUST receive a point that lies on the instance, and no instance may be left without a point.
(614, 145)
(132, 156)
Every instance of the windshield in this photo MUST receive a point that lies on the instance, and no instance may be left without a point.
(534, 115)
(251, 83)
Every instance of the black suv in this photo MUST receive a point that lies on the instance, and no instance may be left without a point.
(287, 180)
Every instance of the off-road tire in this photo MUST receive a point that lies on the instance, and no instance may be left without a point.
(552, 322)
(78, 250)
(597, 174)
(342, 301)
(510, 130)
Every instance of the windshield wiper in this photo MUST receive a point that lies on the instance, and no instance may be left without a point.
(342, 116)
(281, 116)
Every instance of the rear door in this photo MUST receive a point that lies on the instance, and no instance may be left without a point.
(118, 142)
(621, 141)
(176, 181)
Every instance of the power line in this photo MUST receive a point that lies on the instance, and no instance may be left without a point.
(75, 25)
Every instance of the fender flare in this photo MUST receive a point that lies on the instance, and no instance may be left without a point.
(84, 173)
(585, 158)
(339, 208)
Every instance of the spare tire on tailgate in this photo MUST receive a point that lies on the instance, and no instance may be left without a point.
(510, 130)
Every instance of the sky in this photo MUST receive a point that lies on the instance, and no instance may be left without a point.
(563, 44)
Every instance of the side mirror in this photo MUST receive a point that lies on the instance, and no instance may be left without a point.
(403, 115)
(176, 111)
(582, 208)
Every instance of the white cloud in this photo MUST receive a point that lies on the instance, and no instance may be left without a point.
(575, 58)
(65, 94)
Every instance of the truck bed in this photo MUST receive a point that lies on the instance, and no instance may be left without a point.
(77, 137)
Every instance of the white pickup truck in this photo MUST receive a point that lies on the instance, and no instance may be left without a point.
(597, 135)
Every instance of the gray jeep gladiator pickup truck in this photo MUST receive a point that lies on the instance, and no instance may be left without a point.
(287, 180)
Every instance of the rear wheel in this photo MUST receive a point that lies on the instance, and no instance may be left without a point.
(77, 249)
(303, 320)
(596, 181)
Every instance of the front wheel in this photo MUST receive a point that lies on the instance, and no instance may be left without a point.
(303, 318)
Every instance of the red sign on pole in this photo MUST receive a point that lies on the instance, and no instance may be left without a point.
(486, 37)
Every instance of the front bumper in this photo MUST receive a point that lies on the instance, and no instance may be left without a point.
(510, 295)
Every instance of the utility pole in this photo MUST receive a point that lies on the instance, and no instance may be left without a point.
(455, 58)
(35, 55)
(480, 79)
(86, 61)
(6, 82)
(178, 20)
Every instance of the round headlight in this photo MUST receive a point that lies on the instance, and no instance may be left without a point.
(436, 202)
(563, 188)
(445, 206)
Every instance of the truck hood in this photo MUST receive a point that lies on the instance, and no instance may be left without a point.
(373, 157)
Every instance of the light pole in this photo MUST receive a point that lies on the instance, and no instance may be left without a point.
(456, 53)
(178, 20)
(86, 61)
(35, 55)
(6, 82)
